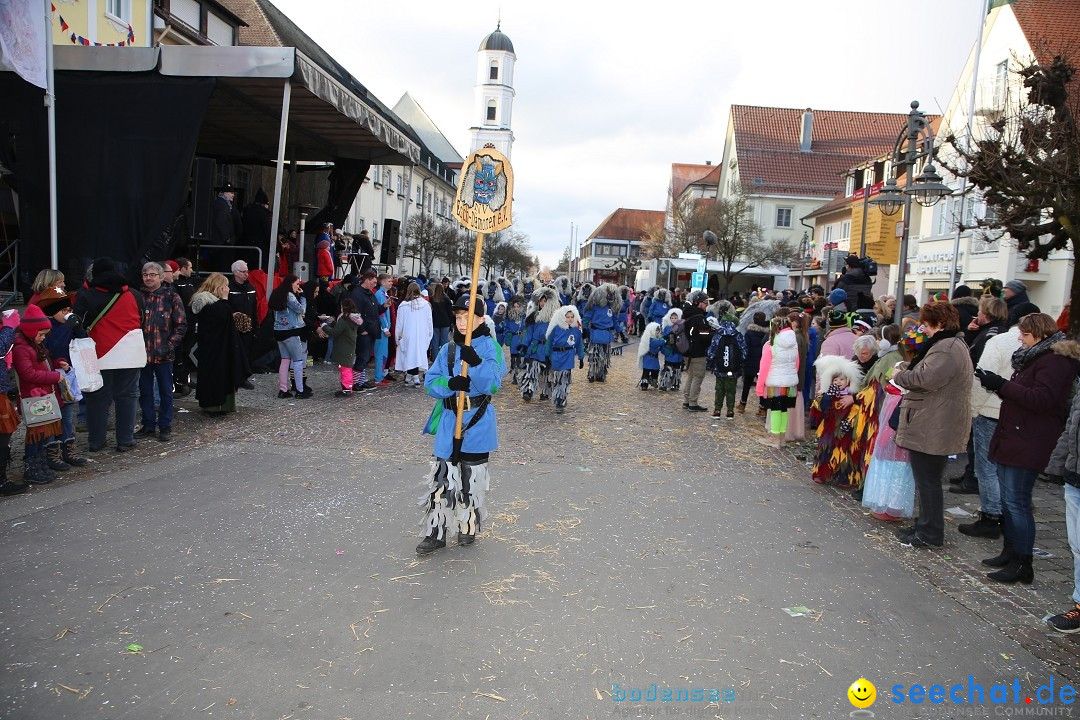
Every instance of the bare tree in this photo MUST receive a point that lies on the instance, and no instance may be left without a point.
(1028, 167)
(428, 240)
(739, 240)
(681, 231)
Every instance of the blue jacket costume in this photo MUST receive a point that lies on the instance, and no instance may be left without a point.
(659, 307)
(514, 331)
(601, 322)
(485, 379)
(563, 344)
(671, 355)
(535, 342)
(651, 359)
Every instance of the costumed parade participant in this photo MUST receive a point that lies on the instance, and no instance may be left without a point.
(622, 312)
(599, 317)
(778, 379)
(565, 287)
(658, 308)
(492, 294)
(581, 298)
(534, 377)
(671, 375)
(499, 319)
(456, 488)
(834, 415)
(514, 329)
(649, 349)
(564, 343)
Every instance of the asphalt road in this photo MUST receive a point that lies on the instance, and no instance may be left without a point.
(272, 575)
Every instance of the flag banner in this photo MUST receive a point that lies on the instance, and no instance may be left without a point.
(22, 39)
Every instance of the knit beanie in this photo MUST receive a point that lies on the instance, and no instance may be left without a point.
(101, 266)
(1016, 286)
(837, 318)
(837, 296)
(33, 320)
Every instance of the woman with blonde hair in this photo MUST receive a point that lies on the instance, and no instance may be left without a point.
(413, 332)
(46, 280)
(221, 363)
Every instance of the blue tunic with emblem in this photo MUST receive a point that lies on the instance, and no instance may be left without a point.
(486, 380)
(601, 323)
(563, 346)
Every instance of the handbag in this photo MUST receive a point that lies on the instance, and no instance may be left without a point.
(84, 361)
(40, 410)
(894, 419)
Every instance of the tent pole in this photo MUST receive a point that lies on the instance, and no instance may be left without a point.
(286, 96)
(50, 104)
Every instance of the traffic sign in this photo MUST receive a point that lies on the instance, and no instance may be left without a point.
(701, 264)
(698, 280)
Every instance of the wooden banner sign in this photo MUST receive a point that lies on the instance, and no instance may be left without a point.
(485, 192)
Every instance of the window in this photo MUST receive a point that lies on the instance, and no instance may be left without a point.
(1001, 79)
(400, 185)
(491, 111)
(827, 237)
(783, 217)
(419, 196)
(845, 230)
(493, 71)
(374, 231)
(187, 11)
(849, 186)
(219, 31)
(117, 9)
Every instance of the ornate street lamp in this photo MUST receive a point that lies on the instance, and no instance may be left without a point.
(915, 142)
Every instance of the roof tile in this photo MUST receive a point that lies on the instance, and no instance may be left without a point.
(627, 224)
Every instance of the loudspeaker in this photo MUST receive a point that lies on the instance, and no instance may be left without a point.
(202, 199)
(388, 251)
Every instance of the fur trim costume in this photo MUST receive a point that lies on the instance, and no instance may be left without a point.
(649, 349)
(534, 378)
(565, 287)
(454, 497)
(838, 458)
(671, 374)
(498, 319)
(514, 331)
(506, 287)
(491, 292)
(599, 316)
(658, 308)
(564, 341)
(581, 297)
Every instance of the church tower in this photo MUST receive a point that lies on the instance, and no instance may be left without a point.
(494, 93)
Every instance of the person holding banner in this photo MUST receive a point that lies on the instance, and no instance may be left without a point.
(454, 501)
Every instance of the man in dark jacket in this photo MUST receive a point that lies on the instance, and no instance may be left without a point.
(700, 335)
(856, 283)
(257, 221)
(242, 300)
(1015, 293)
(185, 288)
(225, 226)
(368, 307)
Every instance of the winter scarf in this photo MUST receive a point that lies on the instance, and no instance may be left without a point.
(931, 342)
(1024, 355)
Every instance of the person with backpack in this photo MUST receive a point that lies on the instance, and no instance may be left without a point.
(698, 338)
(674, 334)
(725, 359)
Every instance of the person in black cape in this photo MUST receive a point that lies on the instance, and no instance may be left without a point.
(222, 363)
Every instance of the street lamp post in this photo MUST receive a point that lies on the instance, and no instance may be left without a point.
(804, 253)
(915, 142)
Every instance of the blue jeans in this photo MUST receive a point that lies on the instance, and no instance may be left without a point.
(439, 337)
(67, 422)
(120, 388)
(1072, 526)
(162, 372)
(982, 430)
(1016, 486)
(382, 348)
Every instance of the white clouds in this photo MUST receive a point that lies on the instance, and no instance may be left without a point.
(608, 97)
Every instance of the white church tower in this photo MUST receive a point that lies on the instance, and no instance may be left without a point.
(494, 93)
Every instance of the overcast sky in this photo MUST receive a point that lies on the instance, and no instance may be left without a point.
(608, 97)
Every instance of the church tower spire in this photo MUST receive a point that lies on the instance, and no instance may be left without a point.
(493, 94)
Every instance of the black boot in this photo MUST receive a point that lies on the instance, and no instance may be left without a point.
(1018, 570)
(987, 526)
(54, 457)
(9, 487)
(430, 544)
(1006, 555)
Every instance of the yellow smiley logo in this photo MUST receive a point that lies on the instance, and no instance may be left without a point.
(862, 693)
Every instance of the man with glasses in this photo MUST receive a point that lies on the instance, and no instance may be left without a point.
(164, 323)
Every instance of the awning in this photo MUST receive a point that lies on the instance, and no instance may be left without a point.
(326, 120)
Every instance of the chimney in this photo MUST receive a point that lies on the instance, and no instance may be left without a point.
(708, 162)
(807, 135)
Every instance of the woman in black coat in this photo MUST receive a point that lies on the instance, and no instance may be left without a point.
(222, 364)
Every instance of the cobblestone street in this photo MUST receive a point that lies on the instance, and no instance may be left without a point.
(263, 565)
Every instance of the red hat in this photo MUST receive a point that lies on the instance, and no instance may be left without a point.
(33, 320)
(172, 265)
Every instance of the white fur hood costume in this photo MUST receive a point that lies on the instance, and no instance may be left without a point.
(829, 366)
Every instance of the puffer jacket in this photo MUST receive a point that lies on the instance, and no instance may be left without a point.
(784, 367)
(1033, 407)
(1065, 458)
(935, 414)
(996, 358)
